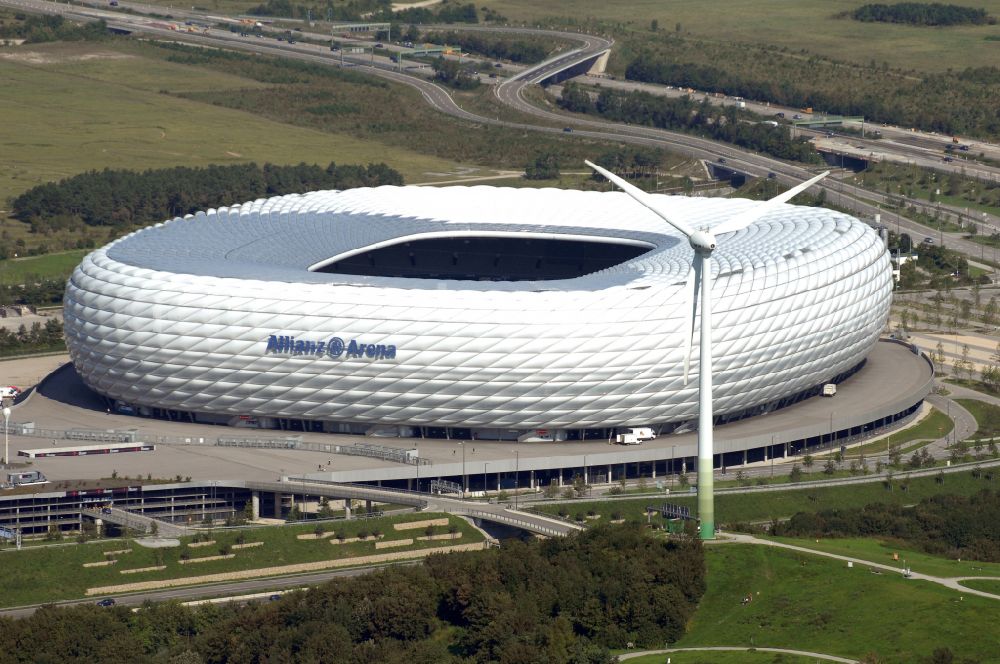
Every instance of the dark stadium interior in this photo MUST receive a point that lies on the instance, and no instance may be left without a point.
(487, 259)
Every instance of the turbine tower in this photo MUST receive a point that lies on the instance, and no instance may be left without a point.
(703, 241)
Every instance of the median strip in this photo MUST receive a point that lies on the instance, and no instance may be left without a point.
(281, 570)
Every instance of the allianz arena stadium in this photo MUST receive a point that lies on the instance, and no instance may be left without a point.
(485, 309)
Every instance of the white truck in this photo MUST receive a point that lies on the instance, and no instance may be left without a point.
(635, 436)
(829, 389)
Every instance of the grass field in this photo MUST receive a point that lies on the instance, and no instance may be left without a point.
(987, 585)
(987, 417)
(935, 425)
(807, 25)
(732, 508)
(75, 107)
(811, 603)
(881, 552)
(50, 574)
(16, 270)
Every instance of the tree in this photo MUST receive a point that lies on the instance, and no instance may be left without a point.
(939, 358)
(552, 490)
(580, 486)
(808, 461)
(545, 166)
(654, 25)
(796, 474)
(829, 467)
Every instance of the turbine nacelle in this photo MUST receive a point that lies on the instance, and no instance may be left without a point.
(702, 241)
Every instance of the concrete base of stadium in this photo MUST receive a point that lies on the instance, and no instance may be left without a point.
(883, 394)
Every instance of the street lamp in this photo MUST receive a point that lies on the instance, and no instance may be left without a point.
(517, 478)
(465, 481)
(6, 449)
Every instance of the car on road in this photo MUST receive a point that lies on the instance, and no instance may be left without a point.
(796, 117)
(949, 159)
(498, 65)
(567, 129)
(380, 45)
(928, 240)
(273, 598)
(106, 602)
(772, 175)
(722, 160)
(779, 115)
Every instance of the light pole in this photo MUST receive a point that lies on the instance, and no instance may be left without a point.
(465, 482)
(6, 448)
(517, 478)
(486, 486)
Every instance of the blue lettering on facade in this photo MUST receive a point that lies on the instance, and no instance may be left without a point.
(335, 347)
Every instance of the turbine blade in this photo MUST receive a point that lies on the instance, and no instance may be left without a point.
(643, 198)
(690, 311)
(741, 221)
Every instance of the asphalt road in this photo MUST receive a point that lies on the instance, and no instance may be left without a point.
(214, 590)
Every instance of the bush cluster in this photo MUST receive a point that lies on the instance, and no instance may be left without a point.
(956, 526)
(727, 123)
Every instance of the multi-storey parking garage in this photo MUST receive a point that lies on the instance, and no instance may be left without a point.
(475, 310)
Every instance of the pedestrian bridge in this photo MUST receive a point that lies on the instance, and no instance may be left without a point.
(495, 513)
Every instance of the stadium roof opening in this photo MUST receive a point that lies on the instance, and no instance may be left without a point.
(492, 258)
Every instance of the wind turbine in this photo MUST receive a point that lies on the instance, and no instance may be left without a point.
(703, 242)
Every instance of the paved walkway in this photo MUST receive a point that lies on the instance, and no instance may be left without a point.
(786, 651)
(948, 582)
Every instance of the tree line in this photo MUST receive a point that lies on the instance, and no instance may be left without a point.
(38, 29)
(919, 13)
(960, 102)
(560, 601)
(722, 123)
(945, 524)
(36, 339)
(370, 11)
(498, 48)
(123, 198)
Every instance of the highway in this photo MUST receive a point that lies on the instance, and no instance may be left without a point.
(213, 590)
(510, 92)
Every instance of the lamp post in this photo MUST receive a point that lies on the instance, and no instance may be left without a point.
(464, 480)
(517, 478)
(6, 448)
(486, 486)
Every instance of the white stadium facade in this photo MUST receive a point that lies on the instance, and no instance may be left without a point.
(478, 310)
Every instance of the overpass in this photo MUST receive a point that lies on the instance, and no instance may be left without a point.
(495, 513)
(138, 522)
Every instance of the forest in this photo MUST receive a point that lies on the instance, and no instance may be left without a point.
(122, 198)
(956, 102)
(728, 123)
(559, 601)
(918, 13)
(948, 525)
